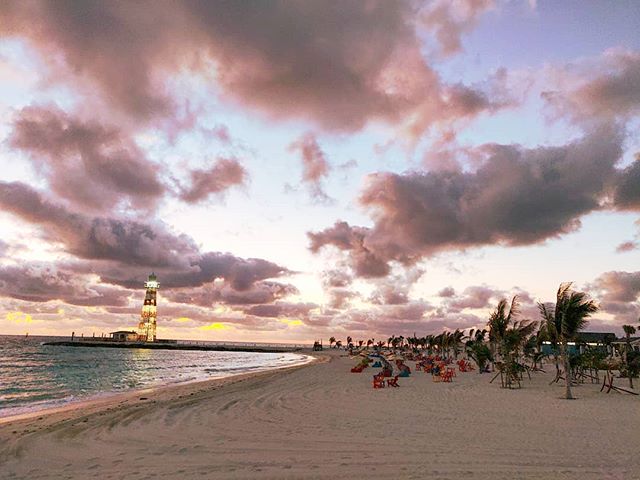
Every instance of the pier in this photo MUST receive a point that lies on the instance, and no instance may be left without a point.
(185, 345)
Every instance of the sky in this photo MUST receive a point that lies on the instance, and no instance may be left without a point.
(294, 170)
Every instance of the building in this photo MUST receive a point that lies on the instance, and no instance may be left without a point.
(621, 343)
(584, 340)
(124, 336)
(147, 325)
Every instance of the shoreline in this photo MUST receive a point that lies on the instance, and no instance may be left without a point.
(106, 399)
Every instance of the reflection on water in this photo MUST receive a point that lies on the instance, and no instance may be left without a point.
(34, 375)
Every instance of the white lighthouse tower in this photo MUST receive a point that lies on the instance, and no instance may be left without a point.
(147, 325)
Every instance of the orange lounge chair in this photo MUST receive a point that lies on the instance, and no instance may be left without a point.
(378, 382)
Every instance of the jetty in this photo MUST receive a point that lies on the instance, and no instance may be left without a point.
(183, 345)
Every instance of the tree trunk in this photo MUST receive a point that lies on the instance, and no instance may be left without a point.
(567, 370)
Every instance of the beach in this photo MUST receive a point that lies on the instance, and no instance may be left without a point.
(320, 421)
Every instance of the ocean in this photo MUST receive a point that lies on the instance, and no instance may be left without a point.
(35, 376)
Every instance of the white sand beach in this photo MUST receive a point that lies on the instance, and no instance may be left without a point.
(320, 421)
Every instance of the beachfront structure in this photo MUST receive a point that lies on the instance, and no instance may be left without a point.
(147, 325)
(585, 339)
(124, 336)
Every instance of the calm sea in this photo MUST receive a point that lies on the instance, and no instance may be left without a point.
(35, 376)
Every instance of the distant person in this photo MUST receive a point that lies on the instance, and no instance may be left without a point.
(73, 334)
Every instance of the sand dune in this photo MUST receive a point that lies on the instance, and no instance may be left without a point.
(319, 421)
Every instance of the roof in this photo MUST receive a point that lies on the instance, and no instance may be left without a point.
(596, 337)
(624, 340)
(122, 331)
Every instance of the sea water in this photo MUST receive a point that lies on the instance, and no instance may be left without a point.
(35, 376)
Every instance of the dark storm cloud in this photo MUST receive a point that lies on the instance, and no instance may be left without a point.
(338, 63)
(92, 165)
(516, 196)
(221, 176)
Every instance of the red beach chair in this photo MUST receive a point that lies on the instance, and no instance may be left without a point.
(393, 382)
(378, 381)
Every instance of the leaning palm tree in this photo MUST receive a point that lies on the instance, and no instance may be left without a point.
(628, 331)
(565, 319)
(332, 340)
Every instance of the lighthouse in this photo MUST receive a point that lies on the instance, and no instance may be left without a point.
(147, 325)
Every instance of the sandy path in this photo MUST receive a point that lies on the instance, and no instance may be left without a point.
(320, 421)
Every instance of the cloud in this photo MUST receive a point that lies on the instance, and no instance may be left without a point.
(627, 189)
(627, 247)
(282, 309)
(315, 166)
(516, 196)
(606, 88)
(123, 251)
(394, 290)
(447, 292)
(473, 297)
(448, 20)
(43, 283)
(619, 293)
(345, 237)
(92, 165)
(619, 286)
(209, 294)
(338, 64)
(221, 176)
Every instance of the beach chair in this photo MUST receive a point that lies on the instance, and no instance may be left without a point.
(378, 381)
(392, 382)
(418, 367)
(357, 369)
(447, 375)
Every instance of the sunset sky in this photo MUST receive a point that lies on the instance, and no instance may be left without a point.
(299, 169)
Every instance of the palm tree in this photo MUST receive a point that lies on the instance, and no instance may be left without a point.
(456, 342)
(565, 319)
(628, 330)
(509, 336)
(332, 340)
